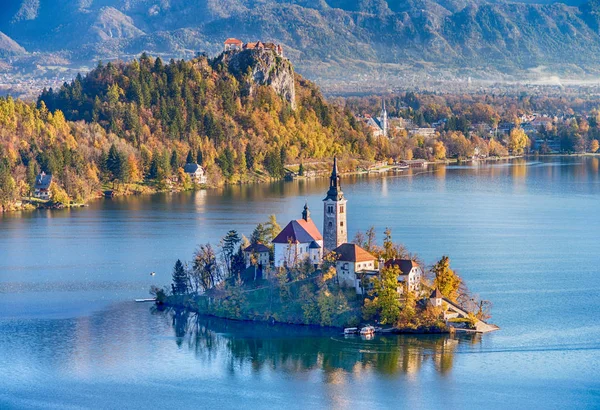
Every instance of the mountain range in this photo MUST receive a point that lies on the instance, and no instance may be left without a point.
(327, 38)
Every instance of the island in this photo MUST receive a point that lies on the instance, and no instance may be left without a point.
(298, 275)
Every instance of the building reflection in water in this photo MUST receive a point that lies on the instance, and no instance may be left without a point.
(295, 350)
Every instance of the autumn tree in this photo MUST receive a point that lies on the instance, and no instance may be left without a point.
(518, 141)
(445, 279)
(205, 272)
(385, 302)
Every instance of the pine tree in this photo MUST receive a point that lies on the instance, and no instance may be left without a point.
(190, 158)
(249, 154)
(228, 244)
(199, 159)
(113, 162)
(174, 160)
(180, 279)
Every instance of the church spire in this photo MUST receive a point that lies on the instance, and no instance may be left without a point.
(335, 188)
(384, 118)
(306, 212)
(334, 216)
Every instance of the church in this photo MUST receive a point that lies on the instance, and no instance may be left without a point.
(300, 240)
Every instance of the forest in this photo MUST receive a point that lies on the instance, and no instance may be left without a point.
(133, 126)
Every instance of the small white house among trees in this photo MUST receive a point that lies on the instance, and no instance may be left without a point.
(42, 186)
(196, 173)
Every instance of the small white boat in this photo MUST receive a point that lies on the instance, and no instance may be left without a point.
(367, 330)
(350, 330)
(146, 300)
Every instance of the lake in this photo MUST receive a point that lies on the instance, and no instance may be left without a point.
(524, 234)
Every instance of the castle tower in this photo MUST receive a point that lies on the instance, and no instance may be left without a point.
(334, 216)
(384, 119)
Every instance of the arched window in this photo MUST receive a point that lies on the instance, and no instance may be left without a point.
(330, 224)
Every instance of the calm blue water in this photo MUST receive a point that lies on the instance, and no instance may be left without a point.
(524, 234)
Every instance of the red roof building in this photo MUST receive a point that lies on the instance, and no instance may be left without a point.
(233, 44)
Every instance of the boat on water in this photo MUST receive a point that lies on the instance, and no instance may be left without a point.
(350, 330)
(367, 330)
(146, 300)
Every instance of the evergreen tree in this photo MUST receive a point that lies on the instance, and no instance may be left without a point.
(199, 159)
(228, 244)
(180, 279)
(238, 262)
(154, 168)
(190, 158)
(301, 170)
(174, 160)
(8, 187)
(113, 162)
(124, 168)
(32, 173)
(249, 154)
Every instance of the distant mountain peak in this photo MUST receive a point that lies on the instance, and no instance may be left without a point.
(8, 46)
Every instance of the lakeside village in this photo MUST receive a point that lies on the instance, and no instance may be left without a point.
(298, 275)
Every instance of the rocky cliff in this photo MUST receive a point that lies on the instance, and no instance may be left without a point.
(262, 67)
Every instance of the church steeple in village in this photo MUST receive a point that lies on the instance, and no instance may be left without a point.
(384, 118)
(334, 218)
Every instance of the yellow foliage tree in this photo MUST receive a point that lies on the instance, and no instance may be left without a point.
(134, 171)
(518, 141)
(439, 150)
(58, 194)
(594, 146)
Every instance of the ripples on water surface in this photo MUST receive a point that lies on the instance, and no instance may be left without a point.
(524, 234)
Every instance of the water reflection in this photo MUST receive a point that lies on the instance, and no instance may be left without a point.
(298, 349)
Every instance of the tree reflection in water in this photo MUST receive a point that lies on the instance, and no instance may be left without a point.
(297, 349)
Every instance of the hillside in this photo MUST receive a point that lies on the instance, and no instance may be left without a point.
(9, 47)
(324, 37)
(241, 115)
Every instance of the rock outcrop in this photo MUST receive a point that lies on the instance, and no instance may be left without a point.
(262, 67)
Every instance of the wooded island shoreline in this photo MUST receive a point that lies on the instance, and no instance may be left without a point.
(300, 275)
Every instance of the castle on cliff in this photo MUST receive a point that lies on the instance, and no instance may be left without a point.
(233, 44)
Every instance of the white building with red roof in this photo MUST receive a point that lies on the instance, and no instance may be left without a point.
(299, 240)
(351, 262)
(233, 44)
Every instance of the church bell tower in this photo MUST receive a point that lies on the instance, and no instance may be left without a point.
(334, 216)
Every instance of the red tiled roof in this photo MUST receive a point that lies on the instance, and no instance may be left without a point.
(296, 233)
(233, 41)
(349, 252)
(310, 227)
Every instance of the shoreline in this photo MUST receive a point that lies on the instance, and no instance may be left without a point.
(28, 204)
(272, 322)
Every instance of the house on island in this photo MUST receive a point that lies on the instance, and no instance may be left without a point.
(42, 186)
(352, 262)
(196, 173)
(299, 240)
(410, 273)
(257, 254)
(436, 298)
